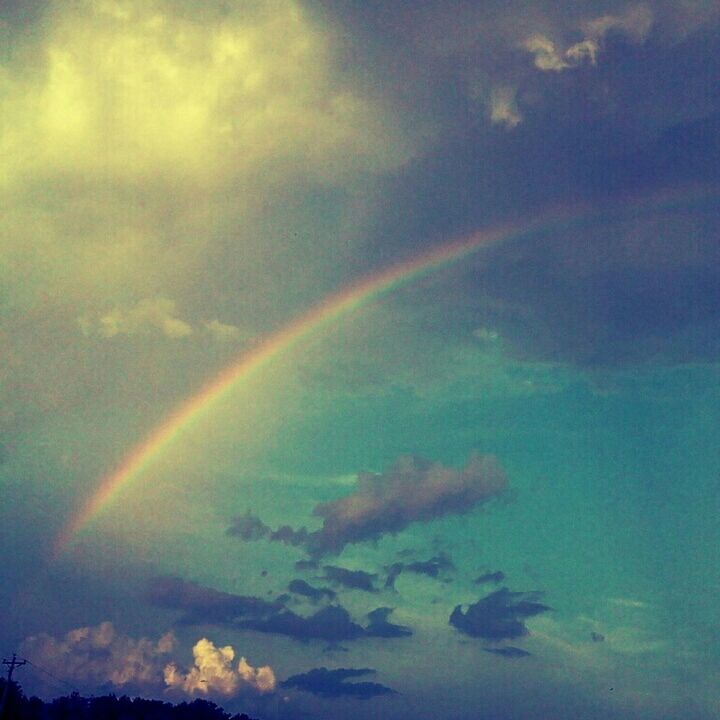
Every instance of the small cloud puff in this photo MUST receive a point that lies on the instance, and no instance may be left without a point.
(153, 316)
(148, 316)
(222, 332)
(213, 672)
(101, 655)
(635, 23)
(503, 107)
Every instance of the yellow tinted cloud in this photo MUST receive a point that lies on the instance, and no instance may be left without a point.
(149, 315)
(148, 151)
(135, 89)
(213, 671)
(130, 130)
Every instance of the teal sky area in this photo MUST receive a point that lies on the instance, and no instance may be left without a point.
(488, 491)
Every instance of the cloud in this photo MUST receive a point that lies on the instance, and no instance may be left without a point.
(148, 147)
(635, 24)
(331, 683)
(431, 568)
(249, 528)
(122, 95)
(498, 616)
(306, 564)
(153, 316)
(149, 316)
(101, 655)
(353, 579)
(546, 54)
(412, 490)
(380, 627)
(213, 672)
(332, 624)
(627, 602)
(224, 333)
(202, 604)
(300, 587)
(490, 577)
(503, 107)
(509, 652)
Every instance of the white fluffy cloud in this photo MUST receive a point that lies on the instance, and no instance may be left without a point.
(101, 655)
(213, 671)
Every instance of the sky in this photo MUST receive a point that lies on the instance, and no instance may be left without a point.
(360, 359)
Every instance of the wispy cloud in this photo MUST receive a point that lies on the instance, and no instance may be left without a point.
(635, 24)
(503, 107)
(412, 490)
(148, 316)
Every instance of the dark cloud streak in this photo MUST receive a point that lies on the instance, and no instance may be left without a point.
(498, 616)
(332, 683)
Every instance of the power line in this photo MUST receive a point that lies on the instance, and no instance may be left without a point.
(46, 676)
(49, 674)
(12, 664)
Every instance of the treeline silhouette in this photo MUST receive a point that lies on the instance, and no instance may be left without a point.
(106, 707)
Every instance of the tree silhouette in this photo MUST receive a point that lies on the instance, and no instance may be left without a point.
(107, 707)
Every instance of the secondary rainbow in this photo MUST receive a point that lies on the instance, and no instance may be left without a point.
(324, 313)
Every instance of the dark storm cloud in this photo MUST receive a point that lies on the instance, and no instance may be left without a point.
(331, 624)
(618, 286)
(306, 565)
(490, 577)
(431, 568)
(250, 528)
(352, 579)
(380, 627)
(547, 105)
(332, 683)
(498, 616)
(508, 652)
(412, 490)
(202, 604)
(300, 587)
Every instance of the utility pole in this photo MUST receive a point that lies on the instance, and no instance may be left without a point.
(12, 664)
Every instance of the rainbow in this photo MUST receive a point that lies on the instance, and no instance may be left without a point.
(326, 312)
